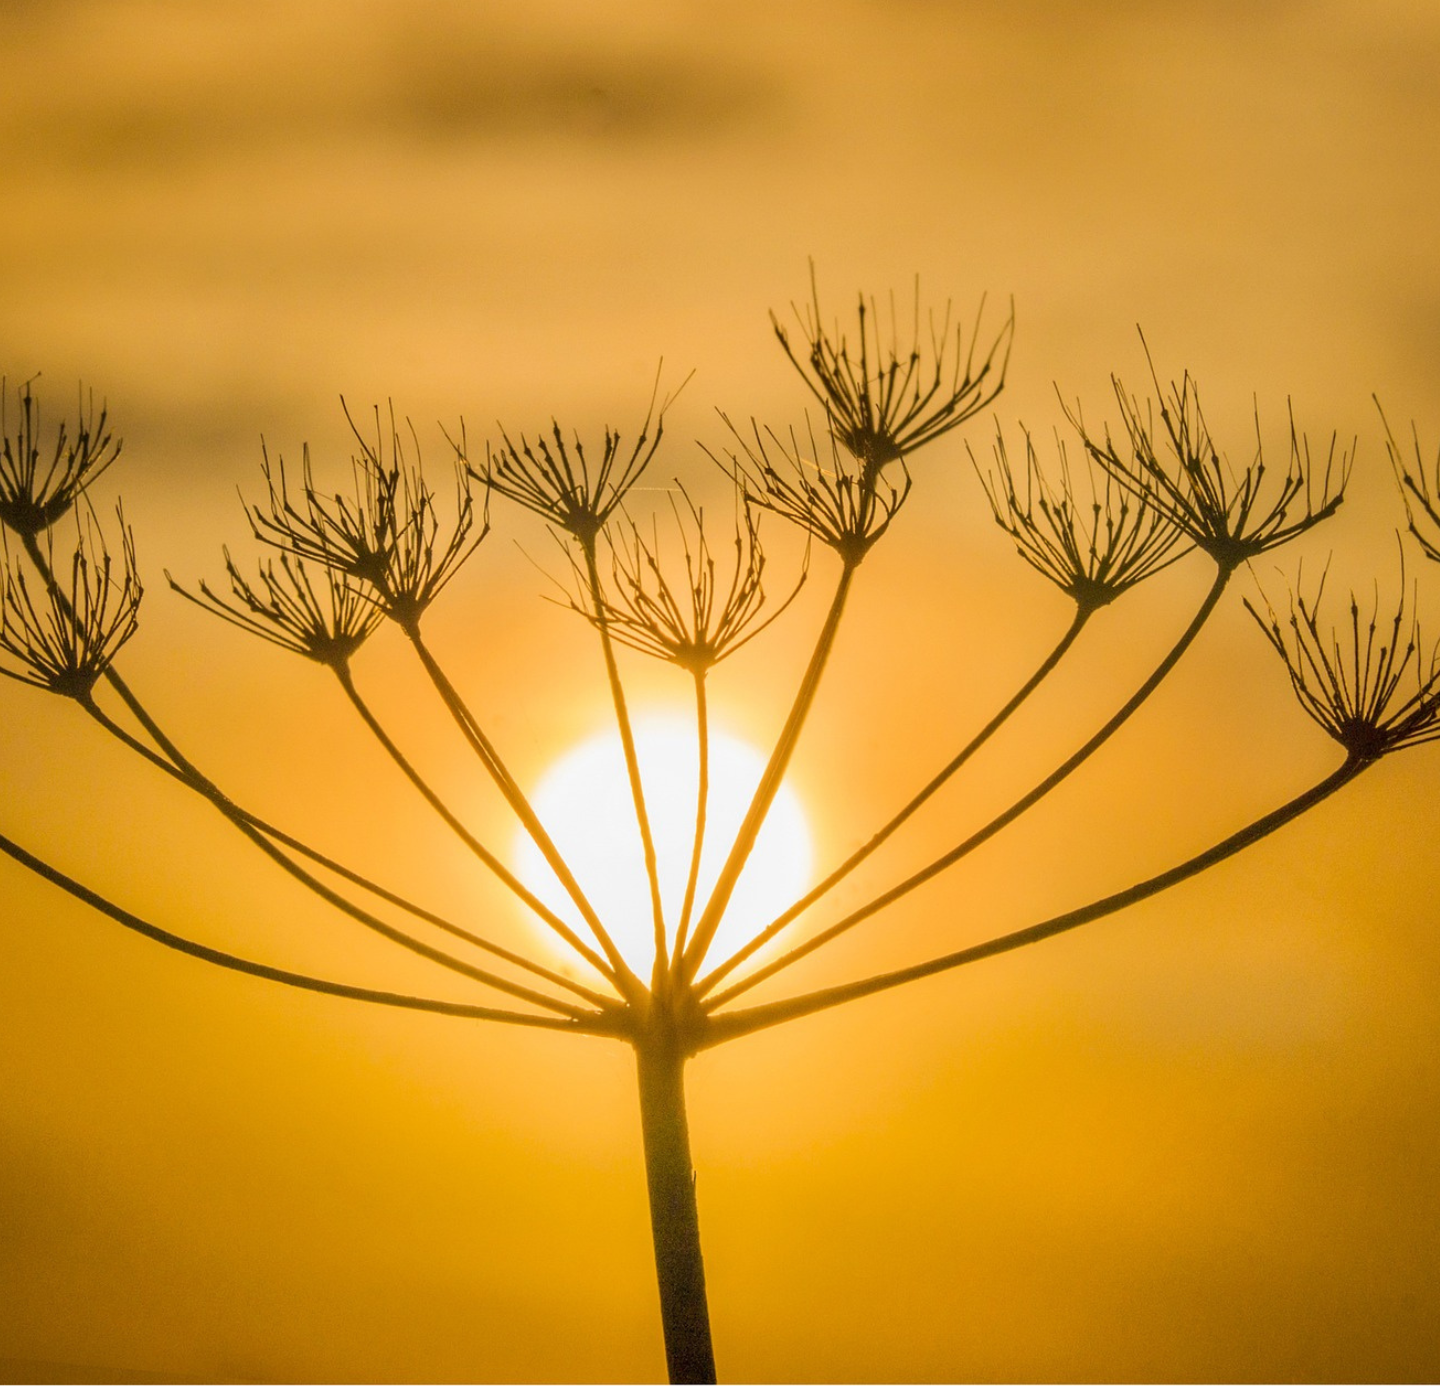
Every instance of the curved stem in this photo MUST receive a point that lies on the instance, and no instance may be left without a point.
(460, 830)
(1047, 665)
(233, 814)
(702, 797)
(737, 1023)
(619, 971)
(632, 762)
(770, 781)
(578, 1025)
(339, 902)
(207, 790)
(1003, 820)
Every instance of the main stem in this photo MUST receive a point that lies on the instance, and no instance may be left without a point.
(674, 1217)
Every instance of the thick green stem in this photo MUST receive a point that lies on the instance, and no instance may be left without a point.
(674, 1217)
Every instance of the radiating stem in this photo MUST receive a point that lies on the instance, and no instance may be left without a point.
(770, 781)
(207, 790)
(619, 970)
(582, 1026)
(632, 763)
(702, 796)
(233, 814)
(460, 830)
(737, 1023)
(1002, 820)
(1082, 615)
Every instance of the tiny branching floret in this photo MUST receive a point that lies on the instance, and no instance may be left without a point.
(1093, 549)
(1370, 682)
(64, 638)
(285, 608)
(884, 396)
(842, 502)
(1233, 515)
(39, 483)
(387, 538)
(696, 620)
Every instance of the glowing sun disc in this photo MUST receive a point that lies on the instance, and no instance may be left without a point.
(585, 804)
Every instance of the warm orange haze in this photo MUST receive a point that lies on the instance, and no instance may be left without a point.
(1196, 1138)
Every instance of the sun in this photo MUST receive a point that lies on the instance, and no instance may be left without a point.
(584, 802)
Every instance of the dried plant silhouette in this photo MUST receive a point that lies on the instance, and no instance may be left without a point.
(1113, 509)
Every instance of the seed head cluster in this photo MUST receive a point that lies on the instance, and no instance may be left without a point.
(63, 637)
(1233, 515)
(1092, 546)
(693, 621)
(386, 539)
(39, 483)
(285, 608)
(885, 396)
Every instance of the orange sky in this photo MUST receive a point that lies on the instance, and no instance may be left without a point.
(1195, 1140)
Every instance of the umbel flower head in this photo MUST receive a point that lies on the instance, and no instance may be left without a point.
(1421, 493)
(842, 502)
(40, 482)
(555, 479)
(64, 637)
(285, 609)
(1092, 549)
(387, 539)
(886, 395)
(1233, 516)
(1371, 683)
(694, 622)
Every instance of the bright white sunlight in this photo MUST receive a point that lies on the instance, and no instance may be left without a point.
(584, 802)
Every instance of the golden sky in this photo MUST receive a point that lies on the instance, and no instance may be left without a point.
(1197, 1140)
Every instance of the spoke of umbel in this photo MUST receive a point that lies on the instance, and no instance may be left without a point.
(1003, 820)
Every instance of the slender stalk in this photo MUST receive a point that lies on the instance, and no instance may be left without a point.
(674, 1216)
(1082, 615)
(460, 830)
(587, 1025)
(632, 763)
(216, 797)
(207, 790)
(619, 970)
(702, 797)
(770, 781)
(339, 902)
(737, 1023)
(1002, 820)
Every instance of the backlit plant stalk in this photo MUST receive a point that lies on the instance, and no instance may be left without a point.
(342, 563)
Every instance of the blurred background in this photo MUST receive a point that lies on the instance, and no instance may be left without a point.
(1198, 1140)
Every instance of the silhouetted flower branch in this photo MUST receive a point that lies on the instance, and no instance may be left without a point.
(844, 504)
(64, 638)
(558, 482)
(285, 609)
(387, 538)
(886, 396)
(694, 622)
(1421, 493)
(1091, 549)
(1233, 516)
(38, 484)
(1372, 685)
